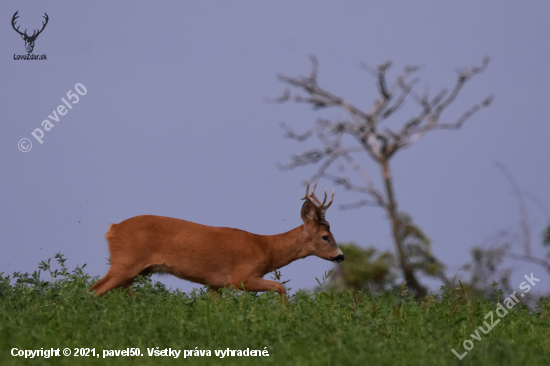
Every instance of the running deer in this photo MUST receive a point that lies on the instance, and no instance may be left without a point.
(215, 256)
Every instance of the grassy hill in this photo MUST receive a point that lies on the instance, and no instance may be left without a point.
(311, 329)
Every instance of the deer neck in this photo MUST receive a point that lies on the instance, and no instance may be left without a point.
(285, 248)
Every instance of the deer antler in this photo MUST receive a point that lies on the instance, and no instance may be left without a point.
(43, 25)
(15, 16)
(313, 198)
(34, 34)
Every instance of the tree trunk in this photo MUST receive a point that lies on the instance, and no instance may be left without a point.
(408, 272)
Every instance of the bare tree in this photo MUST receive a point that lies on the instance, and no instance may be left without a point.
(487, 266)
(524, 223)
(380, 144)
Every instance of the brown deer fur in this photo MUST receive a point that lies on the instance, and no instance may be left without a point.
(214, 256)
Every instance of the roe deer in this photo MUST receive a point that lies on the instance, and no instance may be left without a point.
(214, 256)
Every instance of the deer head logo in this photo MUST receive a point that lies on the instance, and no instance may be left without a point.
(29, 40)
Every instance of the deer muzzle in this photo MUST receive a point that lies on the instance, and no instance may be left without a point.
(339, 258)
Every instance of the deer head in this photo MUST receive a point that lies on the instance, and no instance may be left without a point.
(29, 40)
(320, 238)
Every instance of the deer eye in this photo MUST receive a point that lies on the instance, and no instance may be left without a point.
(324, 237)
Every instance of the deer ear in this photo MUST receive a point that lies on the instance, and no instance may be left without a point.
(309, 212)
(23, 36)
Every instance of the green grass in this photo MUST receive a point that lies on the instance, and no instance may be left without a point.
(311, 329)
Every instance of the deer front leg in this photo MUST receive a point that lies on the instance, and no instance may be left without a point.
(256, 284)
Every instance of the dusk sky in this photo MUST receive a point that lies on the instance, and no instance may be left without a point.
(176, 121)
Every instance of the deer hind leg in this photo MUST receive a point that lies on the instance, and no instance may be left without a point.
(257, 284)
(114, 279)
(101, 283)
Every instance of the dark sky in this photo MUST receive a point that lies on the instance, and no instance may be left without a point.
(175, 121)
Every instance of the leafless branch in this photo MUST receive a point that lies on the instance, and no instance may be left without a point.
(318, 97)
(359, 169)
(377, 196)
(463, 77)
(428, 118)
(290, 134)
(469, 113)
(382, 85)
(534, 199)
(524, 223)
(526, 258)
(359, 204)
